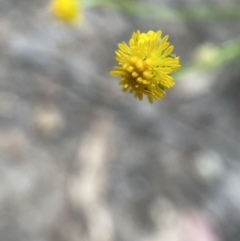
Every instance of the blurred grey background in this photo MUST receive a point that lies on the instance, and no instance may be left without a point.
(82, 161)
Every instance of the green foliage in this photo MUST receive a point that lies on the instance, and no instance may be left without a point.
(210, 57)
(160, 11)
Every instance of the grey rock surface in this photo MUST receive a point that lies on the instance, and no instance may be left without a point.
(82, 161)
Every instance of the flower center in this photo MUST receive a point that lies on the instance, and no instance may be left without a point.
(139, 69)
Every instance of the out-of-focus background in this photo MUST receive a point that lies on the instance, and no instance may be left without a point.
(82, 161)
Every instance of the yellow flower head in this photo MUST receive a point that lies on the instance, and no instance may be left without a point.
(66, 10)
(146, 64)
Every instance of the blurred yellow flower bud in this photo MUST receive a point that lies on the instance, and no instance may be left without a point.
(66, 10)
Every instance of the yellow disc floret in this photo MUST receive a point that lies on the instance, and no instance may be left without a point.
(145, 65)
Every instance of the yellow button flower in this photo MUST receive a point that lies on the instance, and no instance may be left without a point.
(145, 65)
(66, 10)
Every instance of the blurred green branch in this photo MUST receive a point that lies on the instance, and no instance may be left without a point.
(209, 56)
(160, 11)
